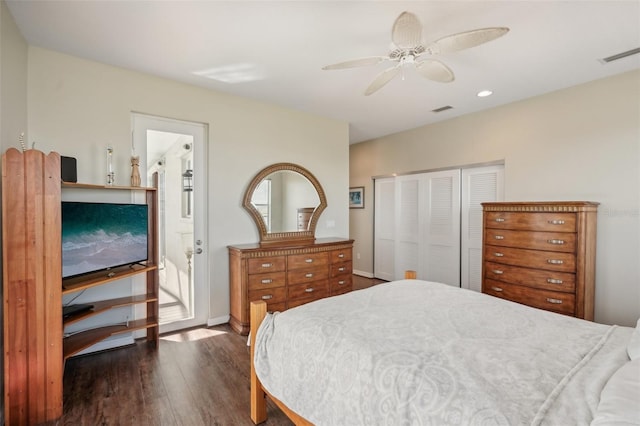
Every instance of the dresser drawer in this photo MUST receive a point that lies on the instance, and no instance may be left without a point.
(307, 274)
(547, 260)
(550, 241)
(341, 284)
(297, 261)
(337, 256)
(340, 269)
(269, 295)
(266, 264)
(313, 290)
(537, 278)
(262, 281)
(552, 222)
(549, 300)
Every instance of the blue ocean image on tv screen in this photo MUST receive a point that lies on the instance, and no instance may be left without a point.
(97, 236)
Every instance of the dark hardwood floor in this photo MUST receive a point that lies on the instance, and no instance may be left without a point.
(196, 377)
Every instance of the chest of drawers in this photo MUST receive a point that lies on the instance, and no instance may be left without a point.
(286, 276)
(541, 254)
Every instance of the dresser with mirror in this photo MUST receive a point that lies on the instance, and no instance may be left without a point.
(288, 266)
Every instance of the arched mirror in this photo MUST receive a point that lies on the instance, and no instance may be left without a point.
(285, 200)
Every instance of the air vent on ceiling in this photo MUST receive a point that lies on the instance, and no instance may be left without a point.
(620, 55)
(444, 108)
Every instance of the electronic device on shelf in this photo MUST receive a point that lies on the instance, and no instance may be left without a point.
(100, 236)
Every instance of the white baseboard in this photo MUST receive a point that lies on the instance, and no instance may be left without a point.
(108, 344)
(363, 274)
(218, 320)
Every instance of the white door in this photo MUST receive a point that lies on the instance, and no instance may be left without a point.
(176, 151)
(408, 225)
(441, 235)
(384, 228)
(479, 184)
(434, 225)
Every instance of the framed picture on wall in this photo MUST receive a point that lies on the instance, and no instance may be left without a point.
(356, 197)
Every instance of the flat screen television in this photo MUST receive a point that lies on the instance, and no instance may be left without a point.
(100, 236)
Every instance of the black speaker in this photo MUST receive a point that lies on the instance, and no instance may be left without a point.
(68, 171)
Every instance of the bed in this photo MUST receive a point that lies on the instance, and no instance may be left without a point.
(413, 352)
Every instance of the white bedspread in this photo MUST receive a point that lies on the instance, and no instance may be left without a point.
(422, 353)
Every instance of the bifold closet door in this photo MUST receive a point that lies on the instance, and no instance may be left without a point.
(384, 228)
(417, 226)
(440, 236)
(479, 185)
(432, 223)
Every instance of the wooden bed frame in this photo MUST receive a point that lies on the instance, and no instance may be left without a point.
(257, 312)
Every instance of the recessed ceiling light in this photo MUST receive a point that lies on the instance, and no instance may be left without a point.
(484, 93)
(234, 73)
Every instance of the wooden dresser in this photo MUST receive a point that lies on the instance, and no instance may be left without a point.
(286, 276)
(541, 254)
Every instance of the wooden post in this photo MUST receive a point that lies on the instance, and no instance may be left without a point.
(32, 286)
(258, 310)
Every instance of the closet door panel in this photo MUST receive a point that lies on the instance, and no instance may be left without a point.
(407, 225)
(479, 184)
(384, 243)
(441, 235)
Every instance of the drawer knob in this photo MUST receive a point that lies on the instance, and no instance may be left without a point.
(267, 281)
(500, 219)
(309, 260)
(341, 282)
(498, 289)
(555, 261)
(499, 237)
(498, 254)
(558, 242)
(556, 222)
(554, 281)
(341, 255)
(308, 275)
(342, 269)
(267, 297)
(554, 301)
(267, 265)
(498, 272)
(308, 290)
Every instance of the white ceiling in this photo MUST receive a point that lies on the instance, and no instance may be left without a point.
(551, 45)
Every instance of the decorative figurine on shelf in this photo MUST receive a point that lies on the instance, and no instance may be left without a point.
(111, 175)
(135, 171)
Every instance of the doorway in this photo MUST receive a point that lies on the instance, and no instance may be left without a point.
(176, 151)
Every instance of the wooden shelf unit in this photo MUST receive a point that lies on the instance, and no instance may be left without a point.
(34, 345)
(82, 340)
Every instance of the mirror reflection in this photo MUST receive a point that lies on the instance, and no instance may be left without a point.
(286, 200)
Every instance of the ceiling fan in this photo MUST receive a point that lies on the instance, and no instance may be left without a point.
(406, 35)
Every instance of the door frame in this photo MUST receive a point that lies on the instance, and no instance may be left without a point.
(140, 123)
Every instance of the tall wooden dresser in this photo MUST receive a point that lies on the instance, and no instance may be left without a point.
(541, 254)
(286, 276)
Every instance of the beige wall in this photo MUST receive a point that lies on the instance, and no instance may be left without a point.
(581, 143)
(78, 107)
(13, 103)
(13, 81)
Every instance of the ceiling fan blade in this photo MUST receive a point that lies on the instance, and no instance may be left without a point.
(465, 40)
(362, 62)
(407, 31)
(383, 78)
(435, 70)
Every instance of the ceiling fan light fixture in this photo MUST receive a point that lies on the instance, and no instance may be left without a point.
(484, 93)
(406, 35)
